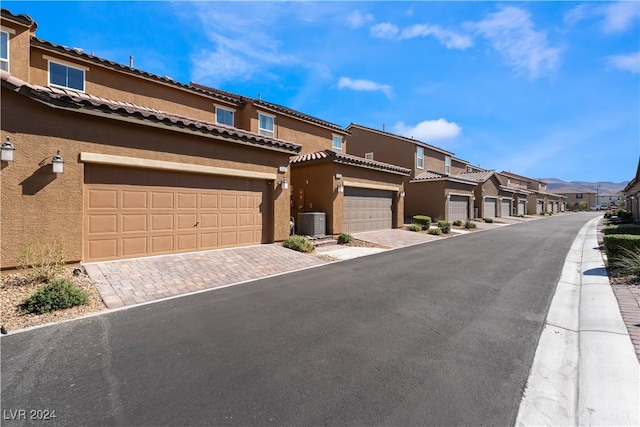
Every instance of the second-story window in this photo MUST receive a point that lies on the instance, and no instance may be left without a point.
(4, 51)
(337, 143)
(420, 157)
(265, 124)
(368, 156)
(66, 76)
(447, 165)
(224, 116)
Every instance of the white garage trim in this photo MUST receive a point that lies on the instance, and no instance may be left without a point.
(108, 159)
(382, 187)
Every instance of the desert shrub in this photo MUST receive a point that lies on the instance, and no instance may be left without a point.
(298, 243)
(457, 223)
(43, 261)
(520, 215)
(435, 231)
(549, 213)
(608, 215)
(469, 224)
(445, 226)
(622, 229)
(627, 262)
(488, 220)
(345, 238)
(58, 294)
(614, 243)
(422, 220)
(414, 227)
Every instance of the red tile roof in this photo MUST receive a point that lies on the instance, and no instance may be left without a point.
(78, 101)
(328, 155)
(24, 20)
(437, 176)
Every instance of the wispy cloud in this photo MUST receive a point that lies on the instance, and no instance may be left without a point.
(629, 62)
(620, 16)
(364, 85)
(512, 34)
(448, 38)
(429, 130)
(357, 19)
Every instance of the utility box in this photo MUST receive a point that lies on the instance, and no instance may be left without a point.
(312, 224)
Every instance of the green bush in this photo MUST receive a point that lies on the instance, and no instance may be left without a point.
(345, 238)
(469, 224)
(622, 229)
(608, 215)
(549, 213)
(627, 262)
(59, 294)
(44, 261)
(414, 227)
(422, 220)
(457, 223)
(488, 220)
(445, 226)
(298, 243)
(614, 243)
(519, 215)
(435, 231)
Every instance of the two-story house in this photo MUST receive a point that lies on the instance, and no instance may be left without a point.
(632, 195)
(575, 198)
(539, 200)
(153, 166)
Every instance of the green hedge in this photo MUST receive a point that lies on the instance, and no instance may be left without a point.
(614, 243)
(445, 226)
(414, 227)
(422, 220)
(622, 229)
(298, 243)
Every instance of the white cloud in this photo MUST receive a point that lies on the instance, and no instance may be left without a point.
(219, 66)
(576, 14)
(364, 85)
(629, 62)
(511, 33)
(384, 30)
(449, 38)
(429, 130)
(620, 16)
(357, 19)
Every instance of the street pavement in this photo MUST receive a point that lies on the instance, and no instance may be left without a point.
(420, 335)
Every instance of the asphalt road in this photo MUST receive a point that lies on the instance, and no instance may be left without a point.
(442, 333)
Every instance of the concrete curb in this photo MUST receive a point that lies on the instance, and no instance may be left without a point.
(585, 371)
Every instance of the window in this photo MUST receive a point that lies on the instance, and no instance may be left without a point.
(224, 116)
(337, 143)
(447, 165)
(508, 181)
(66, 76)
(420, 158)
(368, 156)
(265, 124)
(4, 51)
(579, 196)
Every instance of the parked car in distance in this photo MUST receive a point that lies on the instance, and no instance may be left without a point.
(596, 208)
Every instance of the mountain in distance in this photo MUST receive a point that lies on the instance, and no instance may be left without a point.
(606, 187)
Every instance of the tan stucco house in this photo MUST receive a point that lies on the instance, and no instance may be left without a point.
(632, 195)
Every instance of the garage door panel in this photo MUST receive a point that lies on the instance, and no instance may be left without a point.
(490, 207)
(522, 207)
(506, 208)
(126, 220)
(458, 208)
(132, 223)
(365, 210)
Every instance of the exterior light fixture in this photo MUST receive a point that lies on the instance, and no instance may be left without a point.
(402, 193)
(284, 183)
(340, 187)
(58, 163)
(338, 176)
(282, 169)
(7, 152)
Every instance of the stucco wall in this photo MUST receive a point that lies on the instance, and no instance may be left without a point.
(18, 50)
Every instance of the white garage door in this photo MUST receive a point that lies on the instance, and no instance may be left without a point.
(506, 207)
(539, 207)
(366, 210)
(458, 208)
(490, 207)
(522, 207)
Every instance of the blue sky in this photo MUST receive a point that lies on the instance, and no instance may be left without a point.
(543, 89)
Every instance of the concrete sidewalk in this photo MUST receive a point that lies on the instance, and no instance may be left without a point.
(585, 370)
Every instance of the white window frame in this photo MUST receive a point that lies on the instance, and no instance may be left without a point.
(7, 60)
(368, 156)
(420, 157)
(230, 110)
(447, 165)
(69, 65)
(265, 131)
(337, 147)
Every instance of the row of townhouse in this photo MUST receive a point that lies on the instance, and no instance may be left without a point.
(631, 194)
(152, 166)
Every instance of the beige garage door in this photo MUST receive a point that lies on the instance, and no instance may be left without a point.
(522, 207)
(506, 207)
(134, 212)
(490, 207)
(366, 210)
(458, 208)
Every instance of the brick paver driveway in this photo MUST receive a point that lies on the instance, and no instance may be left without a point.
(134, 281)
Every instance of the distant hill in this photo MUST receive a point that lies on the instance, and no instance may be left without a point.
(605, 186)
